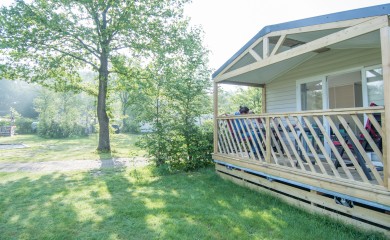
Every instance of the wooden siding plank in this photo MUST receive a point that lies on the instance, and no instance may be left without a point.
(377, 194)
(308, 198)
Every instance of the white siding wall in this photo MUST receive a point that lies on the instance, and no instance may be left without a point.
(281, 92)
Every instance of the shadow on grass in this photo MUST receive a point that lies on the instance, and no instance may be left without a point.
(139, 204)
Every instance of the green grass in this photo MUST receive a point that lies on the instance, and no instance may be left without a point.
(143, 204)
(78, 148)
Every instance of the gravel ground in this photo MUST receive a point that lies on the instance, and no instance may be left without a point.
(72, 165)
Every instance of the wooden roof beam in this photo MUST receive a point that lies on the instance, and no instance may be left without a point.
(342, 35)
(243, 84)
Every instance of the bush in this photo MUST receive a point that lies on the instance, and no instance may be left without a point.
(24, 125)
(4, 123)
(130, 126)
(60, 130)
(170, 149)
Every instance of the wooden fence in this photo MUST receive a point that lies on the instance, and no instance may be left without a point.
(339, 144)
(7, 131)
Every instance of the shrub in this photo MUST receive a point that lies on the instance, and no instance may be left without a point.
(4, 123)
(60, 130)
(24, 125)
(171, 150)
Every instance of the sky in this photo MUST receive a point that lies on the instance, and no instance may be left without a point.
(229, 24)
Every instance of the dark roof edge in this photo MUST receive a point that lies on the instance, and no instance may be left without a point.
(378, 10)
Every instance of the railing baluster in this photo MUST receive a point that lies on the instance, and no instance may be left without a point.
(308, 161)
(241, 138)
(322, 147)
(375, 123)
(221, 142)
(233, 123)
(249, 136)
(347, 150)
(286, 150)
(361, 151)
(311, 147)
(226, 138)
(274, 142)
(292, 146)
(267, 140)
(262, 148)
(367, 136)
(256, 140)
(334, 149)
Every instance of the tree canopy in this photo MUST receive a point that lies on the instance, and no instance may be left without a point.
(50, 41)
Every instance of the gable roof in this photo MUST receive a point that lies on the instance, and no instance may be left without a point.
(328, 18)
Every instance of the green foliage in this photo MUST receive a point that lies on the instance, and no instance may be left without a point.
(48, 42)
(24, 125)
(229, 102)
(62, 115)
(130, 125)
(171, 150)
(176, 97)
(4, 123)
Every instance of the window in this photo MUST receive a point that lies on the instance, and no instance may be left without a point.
(311, 95)
(375, 86)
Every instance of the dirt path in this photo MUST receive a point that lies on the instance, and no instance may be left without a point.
(72, 165)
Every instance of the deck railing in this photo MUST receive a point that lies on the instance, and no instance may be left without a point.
(339, 144)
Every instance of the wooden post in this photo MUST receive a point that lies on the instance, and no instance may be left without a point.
(265, 47)
(385, 48)
(215, 117)
(263, 100)
(268, 139)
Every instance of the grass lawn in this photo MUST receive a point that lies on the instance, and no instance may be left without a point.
(78, 148)
(143, 204)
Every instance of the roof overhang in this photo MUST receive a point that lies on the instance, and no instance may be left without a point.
(279, 48)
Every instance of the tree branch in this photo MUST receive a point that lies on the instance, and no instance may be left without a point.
(93, 51)
(74, 56)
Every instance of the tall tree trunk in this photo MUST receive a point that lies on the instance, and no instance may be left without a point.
(104, 134)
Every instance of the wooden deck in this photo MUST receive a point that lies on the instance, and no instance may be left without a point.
(308, 161)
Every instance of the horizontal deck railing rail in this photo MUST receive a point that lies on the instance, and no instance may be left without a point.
(341, 143)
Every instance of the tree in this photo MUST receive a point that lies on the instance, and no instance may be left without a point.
(63, 114)
(229, 102)
(49, 41)
(178, 96)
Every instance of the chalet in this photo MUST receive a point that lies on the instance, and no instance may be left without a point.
(321, 140)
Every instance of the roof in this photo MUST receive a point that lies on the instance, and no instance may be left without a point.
(328, 18)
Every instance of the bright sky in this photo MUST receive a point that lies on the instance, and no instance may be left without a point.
(230, 24)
